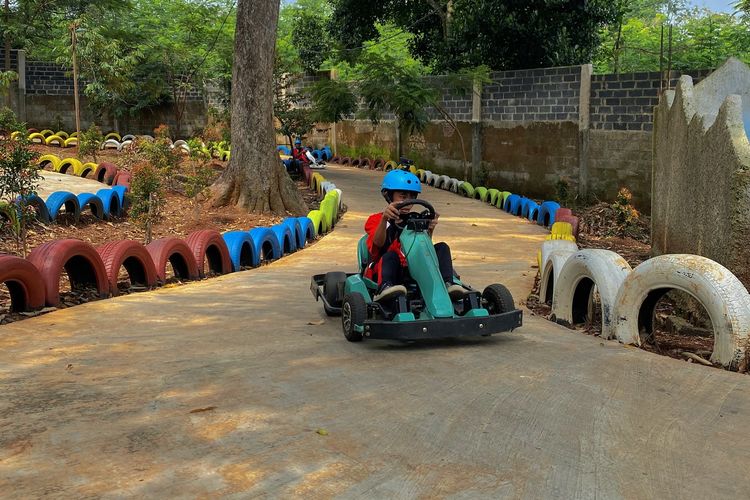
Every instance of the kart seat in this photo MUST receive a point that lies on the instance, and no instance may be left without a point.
(363, 254)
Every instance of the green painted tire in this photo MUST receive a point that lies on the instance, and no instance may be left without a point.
(492, 196)
(466, 189)
(481, 193)
(501, 199)
(318, 222)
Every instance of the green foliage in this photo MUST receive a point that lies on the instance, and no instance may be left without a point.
(6, 78)
(19, 179)
(310, 38)
(89, 141)
(218, 127)
(162, 157)
(146, 196)
(288, 55)
(367, 151)
(8, 120)
(294, 121)
(198, 176)
(332, 100)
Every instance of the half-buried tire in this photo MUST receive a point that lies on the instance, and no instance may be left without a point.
(176, 252)
(133, 257)
(208, 245)
(241, 249)
(24, 283)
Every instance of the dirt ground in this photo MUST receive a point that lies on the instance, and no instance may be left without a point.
(682, 327)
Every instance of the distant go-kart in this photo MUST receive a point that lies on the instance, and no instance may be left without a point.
(427, 310)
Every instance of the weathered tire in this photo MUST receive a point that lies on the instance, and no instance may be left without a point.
(93, 202)
(69, 165)
(547, 212)
(510, 202)
(42, 213)
(346, 160)
(287, 239)
(106, 172)
(86, 169)
(59, 199)
(378, 164)
(331, 289)
(110, 203)
(336, 159)
(266, 243)
(355, 162)
(551, 273)
(241, 249)
(176, 252)
(318, 221)
(353, 312)
(549, 246)
(492, 195)
(365, 163)
(133, 257)
(570, 219)
(581, 272)
(562, 211)
(79, 259)
(497, 299)
(719, 291)
(207, 244)
(24, 283)
(466, 189)
(307, 227)
(45, 160)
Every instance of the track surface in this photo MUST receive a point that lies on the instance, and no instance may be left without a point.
(101, 399)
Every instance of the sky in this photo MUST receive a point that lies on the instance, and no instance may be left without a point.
(715, 5)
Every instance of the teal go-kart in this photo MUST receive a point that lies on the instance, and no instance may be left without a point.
(426, 311)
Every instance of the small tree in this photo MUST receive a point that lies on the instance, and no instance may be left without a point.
(293, 120)
(147, 196)
(198, 176)
(90, 141)
(19, 180)
(162, 155)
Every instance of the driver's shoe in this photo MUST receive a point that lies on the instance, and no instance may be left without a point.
(388, 291)
(455, 290)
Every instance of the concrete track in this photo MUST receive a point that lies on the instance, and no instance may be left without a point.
(218, 388)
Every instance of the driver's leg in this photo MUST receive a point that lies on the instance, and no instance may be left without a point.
(445, 262)
(391, 276)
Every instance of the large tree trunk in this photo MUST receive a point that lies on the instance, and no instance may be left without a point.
(255, 179)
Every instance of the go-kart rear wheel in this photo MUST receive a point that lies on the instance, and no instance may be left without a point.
(497, 299)
(331, 288)
(353, 312)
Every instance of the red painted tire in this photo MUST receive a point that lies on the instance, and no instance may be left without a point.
(177, 252)
(79, 259)
(208, 244)
(335, 159)
(365, 163)
(570, 219)
(560, 212)
(379, 163)
(24, 283)
(131, 255)
(122, 178)
(346, 160)
(106, 173)
(355, 162)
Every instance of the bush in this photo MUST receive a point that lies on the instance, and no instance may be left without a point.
(163, 157)
(199, 175)
(19, 179)
(218, 126)
(90, 141)
(146, 196)
(8, 121)
(162, 131)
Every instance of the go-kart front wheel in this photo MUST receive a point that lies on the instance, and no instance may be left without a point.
(353, 312)
(497, 299)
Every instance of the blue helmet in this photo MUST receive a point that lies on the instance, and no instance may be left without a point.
(400, 180)
(298, 141)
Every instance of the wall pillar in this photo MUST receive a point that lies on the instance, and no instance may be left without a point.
(584, 111)
(476, 132)
(21, 112)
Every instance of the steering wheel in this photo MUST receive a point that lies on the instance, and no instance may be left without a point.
(425, 214)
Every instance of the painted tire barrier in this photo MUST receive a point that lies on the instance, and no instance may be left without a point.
(105, 173)
(562, 211)
(547, 213)
(355, 162)
(70, 142)
(480, 193)
(287, 238)
(721, 293)
(327, 207)
(501, 198)
(284, 150)
(122, 178)
(62, 133)
(453, 186)
(78, 259)
(110, 144)
(308, 228)
(293, 223)
(492, 195)
(551, 273)
(346, 160)
(266, 243)
(24, 283)
(510, 201)
(525, 203)
(583, 271)
(569, 219)
(466, 189)
(561, 229)
(125, 144)
(42, 213)
(549, 246)
(37, 138)
(45, 160)
(241, 249)
(128, 137)
(208, 245)
(113, 135)
(63, 199)
(336, 159)
(133, 257)
(364, 163)
(318, 222)
(54, 140)
(516, 205)
(111, 205)
(69, 164)
(176, 252)
(378, 164)
(93, 202)
(86, 169)
(442, 182)
(532, 210)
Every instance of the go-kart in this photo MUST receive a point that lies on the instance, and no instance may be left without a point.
(314, 164)
(427, 310)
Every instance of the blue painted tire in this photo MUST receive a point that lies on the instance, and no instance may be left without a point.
(59, 199)
(532, 210)
(546, 215)
(308, 228)
(241, 249)
(266, 243)
(509, 201)
(42, 213)
(284, 150)
(316, 154)
(110, 202)
(296, 228)
(287, 164)
(120, 190)
(93, 202)
(287, 239)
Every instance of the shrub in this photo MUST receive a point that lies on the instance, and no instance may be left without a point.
(146, 196)
(19, 179)
(163, 157)
(90, 141)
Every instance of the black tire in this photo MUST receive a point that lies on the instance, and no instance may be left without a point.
(497, 299)
(331, 287)
(353, 312)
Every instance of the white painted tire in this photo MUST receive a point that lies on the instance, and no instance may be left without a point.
(146, 138)
(453, 186)
(179, 143)
(721, 293)
(124, 144)
(549, 246)
(551, 272)
(341, 197)
(129, 137)
(425, 176)
(110, 144)
(581, 272)
(442, 182)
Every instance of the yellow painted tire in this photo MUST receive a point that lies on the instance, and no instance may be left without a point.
(54, 140)
(68, 164)
(328, 207)
(44, 159)
(46, 132)
(501, 198)
(63, 134)
(332, 195)
(562, 229)
(71, 141)
(564, 237)
(390, 165)
(492, 195)
(315, 181)
(466, 189)
(13, 135)
(413, 169)
(74, 134)
(86, 168)
(113, 135)
(36, 137)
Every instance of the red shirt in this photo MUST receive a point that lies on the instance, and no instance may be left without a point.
(371, 226)
(299, 154)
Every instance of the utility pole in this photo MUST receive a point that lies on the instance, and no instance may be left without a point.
(73, 28)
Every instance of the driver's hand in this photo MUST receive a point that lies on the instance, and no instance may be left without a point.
(433, 222)
(391, 213)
